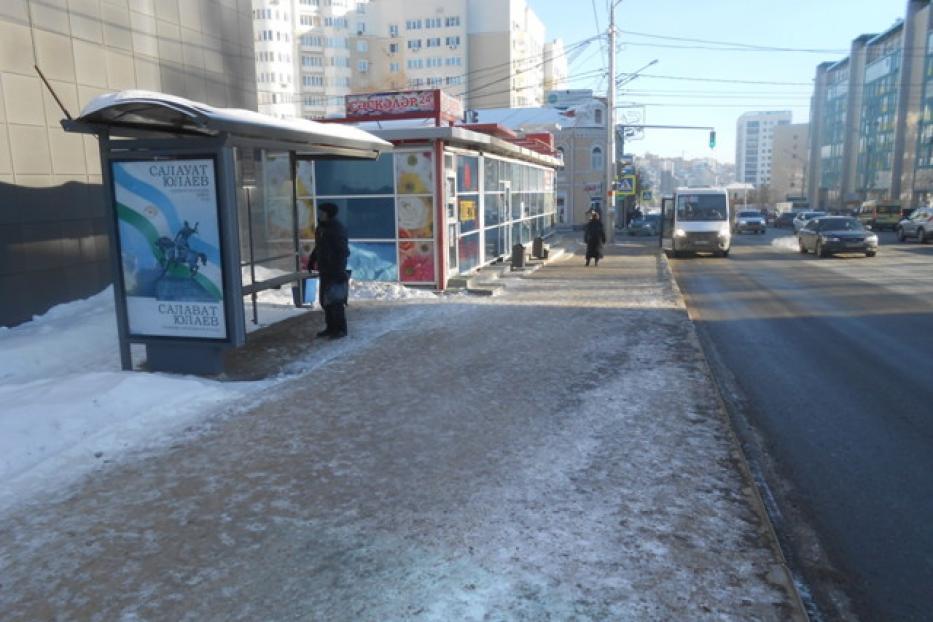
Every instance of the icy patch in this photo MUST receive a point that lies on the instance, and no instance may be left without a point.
(786, 243)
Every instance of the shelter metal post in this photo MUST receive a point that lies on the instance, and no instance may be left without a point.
(116, 262)
(252, 254)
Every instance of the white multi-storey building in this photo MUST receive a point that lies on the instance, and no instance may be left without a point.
(754, 145)
(311, 53)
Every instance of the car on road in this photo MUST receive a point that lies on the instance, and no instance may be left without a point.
(836, 234)
(696, 220)
(880, 214)
(649, 225)
(749, 220)
(802, 218)
(919, 225)
(784, 220)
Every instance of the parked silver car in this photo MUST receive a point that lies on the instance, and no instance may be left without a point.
(749, 220)
(803, 218)
(918, 225)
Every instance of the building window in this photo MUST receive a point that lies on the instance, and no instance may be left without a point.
(393, 48)
(305, 20)
(413, 24)
(453, 41)
(394, 68)
(362, 46)
(414, 44)
(598, 116)
(363, 66)
(432, 22)
(434, 42)
(452, 21)
(596, 159)
(393, 30)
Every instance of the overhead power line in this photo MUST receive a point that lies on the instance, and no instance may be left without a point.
(719, 80)
(746, 46)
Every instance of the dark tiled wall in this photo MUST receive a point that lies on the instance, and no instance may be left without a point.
(53, 247)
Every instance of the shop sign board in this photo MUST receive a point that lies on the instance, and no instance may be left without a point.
(168, 233)
(404, 105)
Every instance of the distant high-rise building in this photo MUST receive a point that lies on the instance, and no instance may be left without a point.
(312, 53)
(754, 145)
(871, 118)
(789, 160)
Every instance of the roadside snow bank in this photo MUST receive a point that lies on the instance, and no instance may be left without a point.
(786, 243)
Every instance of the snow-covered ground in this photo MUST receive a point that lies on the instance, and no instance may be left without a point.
(66, 407)
(558, 452)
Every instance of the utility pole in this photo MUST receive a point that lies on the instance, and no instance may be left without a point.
(609, 194)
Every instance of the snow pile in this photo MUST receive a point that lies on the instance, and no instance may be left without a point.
(786, 243)
(77, 335)
(378, 290)
(65, 404)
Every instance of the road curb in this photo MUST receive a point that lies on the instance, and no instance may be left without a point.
(788, 580)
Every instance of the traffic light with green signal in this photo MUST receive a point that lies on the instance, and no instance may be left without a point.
(712, 139)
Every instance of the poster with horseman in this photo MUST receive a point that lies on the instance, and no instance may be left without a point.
(169, 235)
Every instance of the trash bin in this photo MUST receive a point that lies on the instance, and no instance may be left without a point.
(518, 256)
(537, 248)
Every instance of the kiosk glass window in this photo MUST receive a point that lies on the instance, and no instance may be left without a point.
(352, 177)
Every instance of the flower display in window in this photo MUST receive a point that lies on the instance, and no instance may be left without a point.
(416, 262)
(415, 217)
(415, 173)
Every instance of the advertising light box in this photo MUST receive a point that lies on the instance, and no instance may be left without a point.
(169, 239)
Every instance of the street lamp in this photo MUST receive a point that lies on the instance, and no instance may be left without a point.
(624, 79)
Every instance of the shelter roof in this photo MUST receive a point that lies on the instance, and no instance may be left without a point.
(126, 111)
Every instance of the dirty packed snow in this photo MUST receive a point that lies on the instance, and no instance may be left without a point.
(67, 408)
(555, 453)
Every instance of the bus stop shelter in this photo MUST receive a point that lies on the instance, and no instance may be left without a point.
(204, 212)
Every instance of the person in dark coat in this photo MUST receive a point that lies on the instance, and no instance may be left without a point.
(329, 259)
(594, 237)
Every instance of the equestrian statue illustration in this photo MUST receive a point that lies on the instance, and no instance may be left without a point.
(177, 252)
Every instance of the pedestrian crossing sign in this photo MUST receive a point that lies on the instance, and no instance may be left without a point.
(627, 185)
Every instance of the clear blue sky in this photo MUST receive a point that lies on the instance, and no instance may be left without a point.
(811, 24)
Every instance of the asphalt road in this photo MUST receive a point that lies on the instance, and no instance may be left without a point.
(832, 364)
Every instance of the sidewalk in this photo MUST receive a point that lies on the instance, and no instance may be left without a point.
(554, 453)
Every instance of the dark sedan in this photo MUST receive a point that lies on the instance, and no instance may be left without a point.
(785, 220)
(837, 234)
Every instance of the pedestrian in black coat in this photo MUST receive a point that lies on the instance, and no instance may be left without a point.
(329, 259)
(594, 237)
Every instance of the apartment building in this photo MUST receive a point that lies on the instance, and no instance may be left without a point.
(789, 161)
(871, 118)
(754, 145)
(53, 220)
(312, 53)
